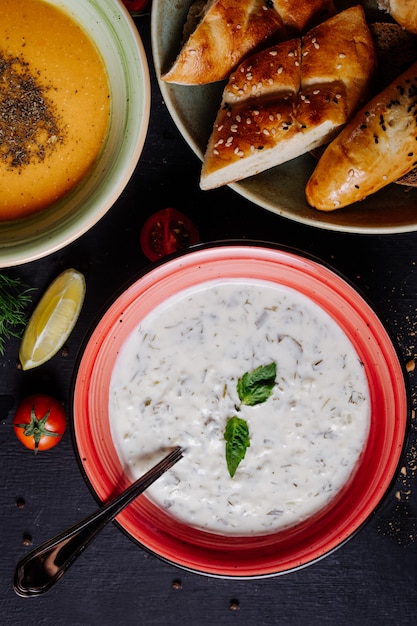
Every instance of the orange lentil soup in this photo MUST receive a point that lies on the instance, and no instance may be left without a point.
(54, 106)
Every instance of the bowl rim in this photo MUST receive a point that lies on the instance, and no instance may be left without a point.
(48, 231)
(233, 567)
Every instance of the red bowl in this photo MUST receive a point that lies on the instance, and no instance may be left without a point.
(248, 556)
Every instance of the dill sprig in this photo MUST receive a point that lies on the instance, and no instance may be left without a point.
(14, 298)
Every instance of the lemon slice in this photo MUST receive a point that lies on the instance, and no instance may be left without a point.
(53, 319)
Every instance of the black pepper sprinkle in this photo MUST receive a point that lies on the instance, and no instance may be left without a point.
(29, 128)
(20, 503)
(177, 584)
(234, 605)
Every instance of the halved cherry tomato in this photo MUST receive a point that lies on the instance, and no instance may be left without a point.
(165, 232)
(135, 5)
(39, 422)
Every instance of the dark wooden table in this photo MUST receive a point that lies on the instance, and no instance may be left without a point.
(371, 580)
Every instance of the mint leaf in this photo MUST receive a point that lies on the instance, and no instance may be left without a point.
(255, 387)
(237, 440)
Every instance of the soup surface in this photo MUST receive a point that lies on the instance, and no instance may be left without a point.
(174, 383)
(54, 105)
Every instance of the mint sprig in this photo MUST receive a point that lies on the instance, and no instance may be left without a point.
(237, 441)
(253, 388)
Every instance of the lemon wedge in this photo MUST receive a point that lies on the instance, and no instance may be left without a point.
(53, 319)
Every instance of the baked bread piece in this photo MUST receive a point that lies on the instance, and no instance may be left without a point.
(218, 34)
(376, 148)
(290, 98)
(301, 15)
(404, 12)
(396, 50)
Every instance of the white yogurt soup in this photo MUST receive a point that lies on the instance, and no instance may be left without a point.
(174, 383)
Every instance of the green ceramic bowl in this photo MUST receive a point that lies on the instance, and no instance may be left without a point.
(111, 28)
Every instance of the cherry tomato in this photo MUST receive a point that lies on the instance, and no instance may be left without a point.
(135, 5)
(165, 232)
(39, 422)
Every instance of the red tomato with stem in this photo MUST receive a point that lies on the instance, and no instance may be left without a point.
(39, 422)
(165, 232)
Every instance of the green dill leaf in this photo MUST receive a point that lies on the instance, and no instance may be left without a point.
(14, 299)
(255, 387)
(237, 439)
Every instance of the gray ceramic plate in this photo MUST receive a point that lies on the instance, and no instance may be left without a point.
(281, 189)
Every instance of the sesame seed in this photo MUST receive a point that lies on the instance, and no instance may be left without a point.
(238, 118)
(248, 120)
(339, 66)
(234, 128)
(265, 131)
(216, 152)
(342, 55)
(280, 70)
(317, 46)
(249, 76)
(316, 92)
(273, 53)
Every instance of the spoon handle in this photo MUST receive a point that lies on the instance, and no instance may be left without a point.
(41, 568)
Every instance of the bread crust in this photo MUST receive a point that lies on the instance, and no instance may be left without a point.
(299, 16)
(290, 98)
(229, 30)
(404, 12)
(376, 148)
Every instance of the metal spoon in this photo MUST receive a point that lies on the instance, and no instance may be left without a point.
(41, 568)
